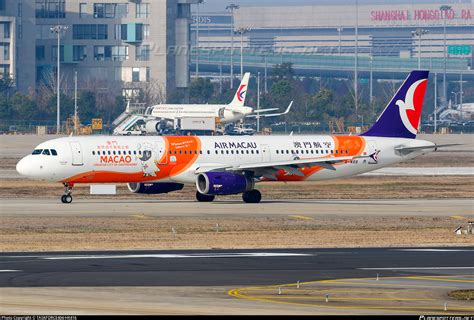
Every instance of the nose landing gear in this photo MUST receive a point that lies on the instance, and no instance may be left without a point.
(67, 197)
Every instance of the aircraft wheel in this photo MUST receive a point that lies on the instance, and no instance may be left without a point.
(203, 197)
(253, 196)
(66, 198)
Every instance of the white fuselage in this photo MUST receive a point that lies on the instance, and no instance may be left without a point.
(113, 159)
(226, 113)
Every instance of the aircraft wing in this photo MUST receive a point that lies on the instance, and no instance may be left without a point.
(264, 110)
(271, 114)
(269, 169)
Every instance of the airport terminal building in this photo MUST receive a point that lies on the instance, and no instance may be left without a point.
(109, 43)
(388, 35)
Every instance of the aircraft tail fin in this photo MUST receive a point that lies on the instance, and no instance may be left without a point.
(239, 98)
(402, 115)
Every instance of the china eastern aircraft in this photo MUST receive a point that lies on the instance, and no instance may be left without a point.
(232, 112)
(225, 165)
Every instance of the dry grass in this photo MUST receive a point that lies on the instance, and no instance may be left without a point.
(32, 233)
(462, 294)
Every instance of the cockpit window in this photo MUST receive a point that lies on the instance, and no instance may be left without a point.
(37, 151)
(46, 152)
(53, 152)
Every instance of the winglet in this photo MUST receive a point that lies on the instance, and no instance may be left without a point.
(239, 98)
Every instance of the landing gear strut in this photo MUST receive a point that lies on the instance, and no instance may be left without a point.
(67, 197)
(203, 197)
(252, 196)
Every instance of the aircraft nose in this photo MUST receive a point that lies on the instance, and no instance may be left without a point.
(22, 167)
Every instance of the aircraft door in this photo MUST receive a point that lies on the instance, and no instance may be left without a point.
(266, 156)
(77, 157)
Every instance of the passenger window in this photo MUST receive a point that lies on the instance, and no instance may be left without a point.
(185, 152)
(53, 152)
(37, 151)
(258, 152)
(93, 153)
(251, 151)
(46, 152)
(208, 152)
(232, 151)
(287, 151)
(222, 151)
(200, 151)
(227, 151)
(277, 151)
(217, 152)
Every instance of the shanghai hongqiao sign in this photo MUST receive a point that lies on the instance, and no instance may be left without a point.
(420, 15)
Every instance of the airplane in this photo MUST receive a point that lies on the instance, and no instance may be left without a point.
(226, 165)
(165, 115)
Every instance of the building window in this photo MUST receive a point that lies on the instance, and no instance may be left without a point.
(143, 53)
(20, 9)
(90, 32)
(40, 53)
(5, 29)
(79, 53)
(121, 11)
(2, 5)
(4, 69)
(146, 31)
(50, 9)
(5, 51)
(54, 53)
(103, 53)
(82, 10)
(104, 10)
(119, 53)
(136, 75)
(143, 10)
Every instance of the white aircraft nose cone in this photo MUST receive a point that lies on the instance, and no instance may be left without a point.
(22, 167)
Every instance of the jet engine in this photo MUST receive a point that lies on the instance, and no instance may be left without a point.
(154, 188)
(223, 183)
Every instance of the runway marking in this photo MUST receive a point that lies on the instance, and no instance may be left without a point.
(11, 270)
(420, 268)
(238, 293)
(300, 217)
(178, 256)
(458, 217)
(436, 250)
(437, 279)
(323, 298)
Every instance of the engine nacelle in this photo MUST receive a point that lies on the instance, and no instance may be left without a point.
(152, 126)
(223, 183)
(154, 188)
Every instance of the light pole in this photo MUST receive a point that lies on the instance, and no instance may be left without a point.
(58, 29)
(362, 120)
(435, 103)
(258, 102)
(444, 9)
(197, 38)
(232, 7)
(356, 67)
(242, 31)
(419, 32)
(339, 30)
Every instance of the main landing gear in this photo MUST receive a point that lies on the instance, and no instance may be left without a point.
(67, 197)
(252, 196)
(204, 198)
